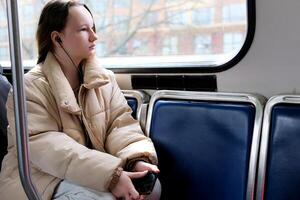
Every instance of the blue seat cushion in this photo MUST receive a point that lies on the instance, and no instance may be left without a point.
(132, 102)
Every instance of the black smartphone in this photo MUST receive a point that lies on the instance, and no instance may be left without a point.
(145, 185)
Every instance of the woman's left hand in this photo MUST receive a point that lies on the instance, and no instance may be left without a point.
(143, 166)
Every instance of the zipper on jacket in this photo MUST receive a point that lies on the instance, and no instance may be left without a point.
(86, 125)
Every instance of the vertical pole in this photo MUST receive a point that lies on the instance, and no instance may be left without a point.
(19, 100)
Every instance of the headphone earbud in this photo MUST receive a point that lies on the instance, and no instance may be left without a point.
(58, 39)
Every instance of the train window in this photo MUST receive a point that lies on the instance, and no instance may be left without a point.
(154, 35)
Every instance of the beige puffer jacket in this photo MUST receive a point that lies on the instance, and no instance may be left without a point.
(57, 140)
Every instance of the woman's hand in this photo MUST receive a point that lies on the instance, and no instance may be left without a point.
(141, 166)
(125, 189)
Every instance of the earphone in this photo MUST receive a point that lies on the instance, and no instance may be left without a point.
(57, 39)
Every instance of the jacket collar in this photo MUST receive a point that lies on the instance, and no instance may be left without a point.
(94, 76)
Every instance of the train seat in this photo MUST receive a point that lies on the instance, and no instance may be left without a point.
(138, 101)
(4, 89)
(279, 160)
(207, 143)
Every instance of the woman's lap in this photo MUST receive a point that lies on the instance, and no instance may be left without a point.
(69, 191)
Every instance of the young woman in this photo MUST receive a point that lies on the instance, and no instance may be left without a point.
(84, 144)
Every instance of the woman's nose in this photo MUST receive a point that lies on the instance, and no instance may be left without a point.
(93, 36)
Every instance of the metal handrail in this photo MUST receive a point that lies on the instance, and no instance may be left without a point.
(19, 100)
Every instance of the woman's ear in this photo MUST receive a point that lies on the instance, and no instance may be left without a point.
(56, 39)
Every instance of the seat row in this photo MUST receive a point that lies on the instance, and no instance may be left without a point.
(224, 145)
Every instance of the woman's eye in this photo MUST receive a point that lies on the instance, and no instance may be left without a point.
(83, 29)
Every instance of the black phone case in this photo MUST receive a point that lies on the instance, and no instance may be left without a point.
(145, 185)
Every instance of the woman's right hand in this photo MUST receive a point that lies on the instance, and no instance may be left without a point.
(124, 188)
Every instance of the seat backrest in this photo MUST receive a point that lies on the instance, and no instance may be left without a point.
(279, 160)
(207, 143)
(4, 89)
(133, 103)
(137, 100)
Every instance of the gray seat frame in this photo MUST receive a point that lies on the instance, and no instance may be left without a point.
(142, 104)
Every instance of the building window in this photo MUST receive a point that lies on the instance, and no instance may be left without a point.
(173, 1)
(176, 18)
(98, 6)
(121, 3)
(101, 24)
(232, 42)
(139, 47)
(121, 23)
(150, 20)
(204, 16)
(147, 2)
(234, 13)
(203, 44)
(170, 46)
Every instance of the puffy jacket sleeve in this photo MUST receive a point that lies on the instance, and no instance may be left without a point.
(53, 151)
(125, 137)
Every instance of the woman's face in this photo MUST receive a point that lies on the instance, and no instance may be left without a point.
(78, 37)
